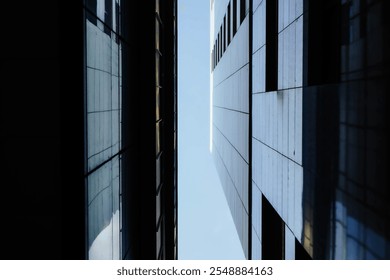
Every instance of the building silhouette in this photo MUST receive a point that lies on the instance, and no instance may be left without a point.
(89, 118)
(299, 125)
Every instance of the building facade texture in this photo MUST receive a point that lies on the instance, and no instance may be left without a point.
(101, 174)
(299, 121)
(111, 175)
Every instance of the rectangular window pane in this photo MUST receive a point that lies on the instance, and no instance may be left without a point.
(224, 34)
(271, 77)
(228, 24)
(243, 10)
(234, 17)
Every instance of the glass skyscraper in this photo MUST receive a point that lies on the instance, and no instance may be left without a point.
(299, 122)
(97, 93)
(130, 129)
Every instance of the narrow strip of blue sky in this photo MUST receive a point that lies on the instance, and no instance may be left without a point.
(206, 229)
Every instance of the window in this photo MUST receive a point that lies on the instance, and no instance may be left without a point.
(219, 47)
(212, 60)
(272, 232)
(228, 24)
(243, 10)
(91, 11)
(215, 54)
(108, 17)
(220, 43)
(271, 60)
(234, 17)
(224, 34)
(324, 40)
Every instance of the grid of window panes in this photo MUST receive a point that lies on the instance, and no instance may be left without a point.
(103, 49)
(230, 108)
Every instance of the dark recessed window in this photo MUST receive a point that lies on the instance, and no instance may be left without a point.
(91, 8)
(324, 40)
(224, 34)
(117, 29)
(214, 63)
(212, 60)
(271, 61)
(228, 24)
(220, 42)
(108, 17)
(215, 53)
(219, 50)
(272, 233)
(219, 47)
(234, 17)
(243, 10)
(215, 57)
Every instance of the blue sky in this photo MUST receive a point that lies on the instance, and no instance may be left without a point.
(206, 229)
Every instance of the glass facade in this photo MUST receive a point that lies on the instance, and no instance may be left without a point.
(345, 149)
(230, 107)
(103, 53)
(277, 171)
(120, 151)
(317, 116)
(90, 108)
